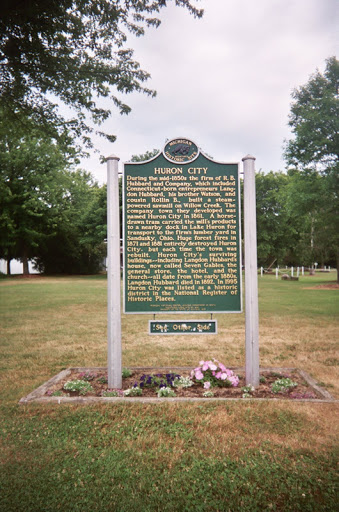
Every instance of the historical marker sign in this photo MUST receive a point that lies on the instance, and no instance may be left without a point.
(182, 241)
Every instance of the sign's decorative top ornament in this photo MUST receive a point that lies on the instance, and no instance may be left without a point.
(181, 151)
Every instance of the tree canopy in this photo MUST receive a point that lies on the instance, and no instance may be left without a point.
(31, 175)
(314, 120)
(44, 203)
(145, 156)
(314, 152)
(73, 51)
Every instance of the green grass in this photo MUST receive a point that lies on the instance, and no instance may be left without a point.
(278, 456)
(295, 298)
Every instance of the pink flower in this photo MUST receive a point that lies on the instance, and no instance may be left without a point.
(201, 363)
(207, 385)
(199, 375)
(205, 367)
(222, 367)
(223, 376)
(212, 366)
(218, 375)
(234, 380)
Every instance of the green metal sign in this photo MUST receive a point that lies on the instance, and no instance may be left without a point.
(181, 233)
(183, 327)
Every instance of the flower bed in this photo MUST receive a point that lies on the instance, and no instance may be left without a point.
(211, 379)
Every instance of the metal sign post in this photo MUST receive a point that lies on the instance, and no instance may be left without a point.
(113, 276)
(251, 275)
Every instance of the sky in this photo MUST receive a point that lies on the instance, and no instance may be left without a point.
(223, 81)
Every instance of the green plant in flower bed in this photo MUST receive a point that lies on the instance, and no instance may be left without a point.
(165, 392)
(103, 380)
(247, 391)
(112, 393)
(208, 394)
(126, 372)
(80, 386)
(183, 382)
(283, 385)
(136, 391)
(57, 393)
(54, 393)
(160, 380)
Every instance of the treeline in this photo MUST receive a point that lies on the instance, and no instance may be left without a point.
(56, 216)
(296, 219)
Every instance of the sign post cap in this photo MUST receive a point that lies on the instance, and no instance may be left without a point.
(113, 157)
(248, 157)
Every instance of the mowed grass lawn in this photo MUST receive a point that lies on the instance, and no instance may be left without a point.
(248, 456)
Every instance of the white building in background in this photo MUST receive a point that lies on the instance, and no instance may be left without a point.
(16, 267)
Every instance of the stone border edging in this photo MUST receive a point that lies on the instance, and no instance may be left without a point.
(39, 394)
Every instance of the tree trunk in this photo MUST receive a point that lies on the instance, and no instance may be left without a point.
(9, 266)
(25, 265)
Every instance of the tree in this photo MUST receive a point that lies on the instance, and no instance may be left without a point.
(145, 156)
(314, 120)
(44, 204)
(307, 203)
(72, 50)
(94, 221)
(275, 231)
(32, 177)
(314, 150)
(76, 245)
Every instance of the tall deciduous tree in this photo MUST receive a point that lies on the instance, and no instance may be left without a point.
(75, 51)
(32, 176)
(314, 120)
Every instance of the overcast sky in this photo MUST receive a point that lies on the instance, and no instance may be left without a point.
(224, 81)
